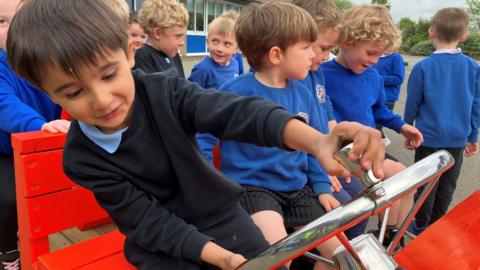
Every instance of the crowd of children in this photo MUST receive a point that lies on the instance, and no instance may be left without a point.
(142, 134)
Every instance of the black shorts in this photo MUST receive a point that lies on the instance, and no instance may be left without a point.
(297, 208)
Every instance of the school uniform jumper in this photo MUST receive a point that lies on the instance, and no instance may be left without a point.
(392, 69)
(151, 60)
(359, 97)
(208, 74)
(443, 101)
(156, 185)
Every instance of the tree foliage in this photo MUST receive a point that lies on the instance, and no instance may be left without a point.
(382, 2)
(473, 7)
(343, 4)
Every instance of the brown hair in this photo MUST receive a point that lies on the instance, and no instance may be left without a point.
(82, 31)
(120, 8)
(260, 27)
(371, 23)
(324, 12)
(449, 24)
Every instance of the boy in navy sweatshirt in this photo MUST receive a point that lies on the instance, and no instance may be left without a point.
(132, 141)
(357, 90)
(165, 22)
(443, 101)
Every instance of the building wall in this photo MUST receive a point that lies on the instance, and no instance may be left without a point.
(201, 13)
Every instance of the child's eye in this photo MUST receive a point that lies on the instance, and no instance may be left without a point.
(3, 21)
(109, 76)
(74, 94)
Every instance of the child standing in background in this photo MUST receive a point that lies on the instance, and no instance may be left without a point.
(443, 100)
(165, 22)
(392, 69)
(135, 33)
(219, 67)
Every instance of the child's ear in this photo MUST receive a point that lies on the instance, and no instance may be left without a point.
(275, 55)
(345, 44)
(464, 36)
(131, 54)
(156, 32)
(431, 33)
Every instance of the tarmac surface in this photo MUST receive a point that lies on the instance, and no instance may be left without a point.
(469, 179)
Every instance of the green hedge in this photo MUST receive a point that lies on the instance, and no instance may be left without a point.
(422, 48)
(471, 46)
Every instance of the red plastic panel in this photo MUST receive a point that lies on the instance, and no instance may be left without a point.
(62, 210)
(103, 252)
(453, 242)
(37, 141)
(43, 173)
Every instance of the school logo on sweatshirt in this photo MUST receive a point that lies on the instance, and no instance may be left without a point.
(304, 116)
(320, 91)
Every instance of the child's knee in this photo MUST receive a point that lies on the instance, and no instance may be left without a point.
(392, 167)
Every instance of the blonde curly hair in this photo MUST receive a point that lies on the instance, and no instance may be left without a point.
(162, 14)
(371, 23)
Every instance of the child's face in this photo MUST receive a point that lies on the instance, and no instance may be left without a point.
(136, 35)
(296, 60)
(327, 40)
(8, 8)
(102, 95)
(221, 47)
(169, 40)
(360, 56)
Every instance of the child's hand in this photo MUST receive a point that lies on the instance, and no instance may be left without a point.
(55, 126)
(368, 147)
(336, 185)
(233, 261)
(220, 257)
(328, 201)
(471, 149)
(413, 137)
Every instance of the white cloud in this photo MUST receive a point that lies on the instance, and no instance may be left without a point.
(415, 9)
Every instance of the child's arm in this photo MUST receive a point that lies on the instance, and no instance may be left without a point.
(414, 95)
(256, 120)
(472, 146)
(16, 116)
(368, 146)
(199, 76)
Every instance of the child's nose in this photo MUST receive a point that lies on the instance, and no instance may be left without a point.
(100, 99)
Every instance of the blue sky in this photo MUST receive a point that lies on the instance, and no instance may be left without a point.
(416, 9)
